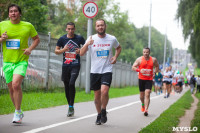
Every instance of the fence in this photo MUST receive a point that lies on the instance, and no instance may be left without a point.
(45, 67)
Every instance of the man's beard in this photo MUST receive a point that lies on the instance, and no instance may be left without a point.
(101, 33)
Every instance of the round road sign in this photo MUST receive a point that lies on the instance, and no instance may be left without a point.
(90, 9)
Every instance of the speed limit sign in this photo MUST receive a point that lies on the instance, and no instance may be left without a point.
(90, 9)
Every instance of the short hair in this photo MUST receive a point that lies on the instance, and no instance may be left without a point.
(15, 5)
(101, 20)
(148, 49)
(70, 23)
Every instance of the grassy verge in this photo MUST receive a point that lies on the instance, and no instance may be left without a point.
(36, 100)
(196, 121)
(170, 117)
(197, 71)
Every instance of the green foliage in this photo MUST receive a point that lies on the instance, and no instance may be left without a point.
(33, 11)
(170, 117)
(189, 14)
(132, 40)
(48, 17)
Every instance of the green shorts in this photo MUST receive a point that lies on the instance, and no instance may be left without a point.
(14, 68)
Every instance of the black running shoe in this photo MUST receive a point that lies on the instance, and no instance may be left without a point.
(145, 113)
(70, 112)
(168, 95)
(103, 116)
(98, 121)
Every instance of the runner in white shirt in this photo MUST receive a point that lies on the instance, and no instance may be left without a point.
(166, 82)
(179, 78)
(171, 76)
(102, 60)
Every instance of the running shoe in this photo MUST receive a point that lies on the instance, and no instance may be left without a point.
(165, 96)
(103, 116)
(98, 121)
(142, 108)
(18, 117)
(70, 112)
(168, 95)
(146, 113)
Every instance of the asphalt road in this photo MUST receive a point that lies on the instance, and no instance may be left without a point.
(124, 116)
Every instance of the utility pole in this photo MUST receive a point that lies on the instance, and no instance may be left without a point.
(88, 59)
(149, 45)
(165, 50)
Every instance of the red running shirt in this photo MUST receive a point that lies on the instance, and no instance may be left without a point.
(148, 66)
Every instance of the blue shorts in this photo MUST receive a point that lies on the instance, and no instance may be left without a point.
(159, 84)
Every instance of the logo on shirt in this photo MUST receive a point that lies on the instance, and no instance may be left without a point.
(101, 45)
(72, 45)
(70, 56)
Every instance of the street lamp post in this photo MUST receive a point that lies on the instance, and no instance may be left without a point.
(165, 50)
(149, 44)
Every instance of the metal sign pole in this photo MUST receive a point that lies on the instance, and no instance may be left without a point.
(88, 60)
(47, 67)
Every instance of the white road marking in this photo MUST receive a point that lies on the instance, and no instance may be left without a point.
(81, 118)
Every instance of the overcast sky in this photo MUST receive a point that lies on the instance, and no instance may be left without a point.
(163, 17)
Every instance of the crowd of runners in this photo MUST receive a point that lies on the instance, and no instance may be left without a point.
(171, 81)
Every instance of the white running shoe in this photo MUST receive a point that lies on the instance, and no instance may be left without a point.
(18, 117)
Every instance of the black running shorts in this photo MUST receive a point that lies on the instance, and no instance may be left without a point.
(145, 84)
(179, 84)
(96, 80)
(167, 82)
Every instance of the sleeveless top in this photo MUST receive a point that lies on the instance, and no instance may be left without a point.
(148, 66)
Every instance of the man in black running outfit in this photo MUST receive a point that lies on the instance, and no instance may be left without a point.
(69, 45)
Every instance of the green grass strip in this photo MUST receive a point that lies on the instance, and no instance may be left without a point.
(37, 100)
(196, 121)
(170, 117)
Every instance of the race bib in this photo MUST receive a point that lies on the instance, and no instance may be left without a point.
(70, 55)
(12, 43)
(102, 53)
(147, 72)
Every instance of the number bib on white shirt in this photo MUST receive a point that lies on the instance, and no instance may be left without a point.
(102, 53)
(12, 43)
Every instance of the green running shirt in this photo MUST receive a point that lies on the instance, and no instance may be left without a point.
(18, 35)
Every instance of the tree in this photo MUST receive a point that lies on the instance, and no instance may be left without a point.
(132, 39)
(189, 14)
(33, 11)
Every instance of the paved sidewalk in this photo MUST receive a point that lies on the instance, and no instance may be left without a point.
(124, 116)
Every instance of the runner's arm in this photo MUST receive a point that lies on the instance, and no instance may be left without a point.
(156, 65)
(3, 37)
(58, 50)
(36, 41)
(136, 64)
(84, 49)
(117, 52)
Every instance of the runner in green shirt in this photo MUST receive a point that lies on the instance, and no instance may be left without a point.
(14, 36)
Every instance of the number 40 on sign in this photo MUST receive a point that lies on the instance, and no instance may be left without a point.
(90, 9)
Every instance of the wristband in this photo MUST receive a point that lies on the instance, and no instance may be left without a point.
(137, 70)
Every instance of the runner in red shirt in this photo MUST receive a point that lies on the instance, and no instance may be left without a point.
(144, 65)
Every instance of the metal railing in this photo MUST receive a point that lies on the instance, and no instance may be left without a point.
(45, 67)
